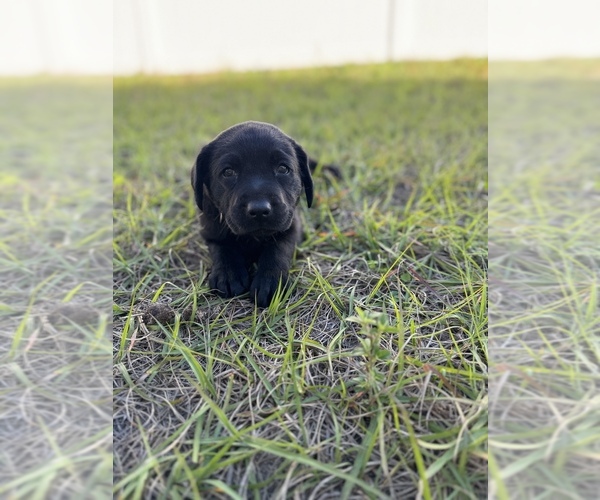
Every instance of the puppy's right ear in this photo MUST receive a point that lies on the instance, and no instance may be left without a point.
(200, 173)
(304, 172)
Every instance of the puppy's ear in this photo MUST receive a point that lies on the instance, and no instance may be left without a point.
(200, 173)
(304, 172)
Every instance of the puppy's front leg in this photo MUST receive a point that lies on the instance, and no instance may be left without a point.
(229, 275)
(273, 267)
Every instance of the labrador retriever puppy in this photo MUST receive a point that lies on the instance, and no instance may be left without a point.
(247, 183)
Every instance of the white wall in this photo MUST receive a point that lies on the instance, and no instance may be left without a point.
(195, 36)
(187, 36)
(190, 36)
(56, 36)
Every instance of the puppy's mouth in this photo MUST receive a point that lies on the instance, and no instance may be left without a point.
(245, 226)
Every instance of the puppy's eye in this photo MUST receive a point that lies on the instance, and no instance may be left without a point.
(228, 172)
(282, 169)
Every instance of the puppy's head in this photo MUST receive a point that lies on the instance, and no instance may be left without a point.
(254, 175)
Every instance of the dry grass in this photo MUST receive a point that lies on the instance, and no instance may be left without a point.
(369, 377)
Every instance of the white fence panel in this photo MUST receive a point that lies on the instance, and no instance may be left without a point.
(195, 36)
(187, 36)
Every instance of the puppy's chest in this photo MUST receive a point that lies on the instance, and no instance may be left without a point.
(248, 246)
(251, 248)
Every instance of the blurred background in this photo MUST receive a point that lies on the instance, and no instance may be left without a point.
(190, 36)
(198, 36)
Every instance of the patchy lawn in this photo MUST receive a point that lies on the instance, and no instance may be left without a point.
(369, 378)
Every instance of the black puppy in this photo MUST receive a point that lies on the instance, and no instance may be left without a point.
(247, 183)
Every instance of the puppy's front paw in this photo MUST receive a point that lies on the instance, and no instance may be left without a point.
(229, 281)
(264, 286)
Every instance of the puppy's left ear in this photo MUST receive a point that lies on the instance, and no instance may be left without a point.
(200, 173)
(304, 172)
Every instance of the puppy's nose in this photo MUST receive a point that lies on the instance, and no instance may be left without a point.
(259, 208)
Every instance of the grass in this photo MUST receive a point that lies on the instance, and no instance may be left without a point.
(368, 378)
(544, 280)
(55, 270)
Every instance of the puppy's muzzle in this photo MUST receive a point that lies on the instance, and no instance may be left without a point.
(259, 209)
(260, 216)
